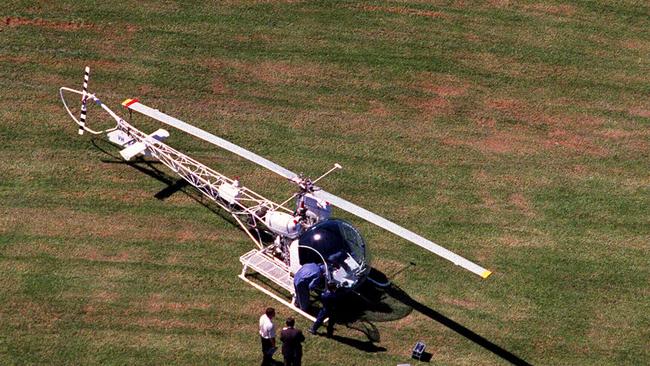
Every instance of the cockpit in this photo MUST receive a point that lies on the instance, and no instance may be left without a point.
(339, 244)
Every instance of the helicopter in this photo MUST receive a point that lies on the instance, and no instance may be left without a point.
(285, 237)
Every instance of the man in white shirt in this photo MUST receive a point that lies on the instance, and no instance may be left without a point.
(267, 336)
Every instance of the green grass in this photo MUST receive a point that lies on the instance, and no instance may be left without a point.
(514, 133)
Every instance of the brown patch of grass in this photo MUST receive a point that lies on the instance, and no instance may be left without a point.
(574, 133)
(559, 137)
(499, 3)
(615, 134)
(403, 11)
(560, 10)
(436, 106)
(487, 122)
(440, 84)
(522, 203)
(388, 266)
(153, 322)
(635, 44)
(378, 109)
(70, 224)
(530, 239)
(29, 314)
(515, 141)
(409, 322)
(123, 256)
(116, 39)
(218, 86)
(640, 112)
(510, 107)
(156, 304)
(44, 23)
(463, 303)
(493, 63)
(510, 241)
(20, 59)
(281, 72)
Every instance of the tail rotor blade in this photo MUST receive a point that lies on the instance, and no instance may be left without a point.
(84, 98)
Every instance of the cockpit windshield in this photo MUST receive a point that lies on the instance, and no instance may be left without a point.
(340, 244)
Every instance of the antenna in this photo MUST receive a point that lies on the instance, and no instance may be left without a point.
(336, 166)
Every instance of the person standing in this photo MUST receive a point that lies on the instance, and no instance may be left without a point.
(307, 278)
(292, 339)
(267, 336)
(329, 299)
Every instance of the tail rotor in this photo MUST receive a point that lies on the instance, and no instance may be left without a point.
(84, 98)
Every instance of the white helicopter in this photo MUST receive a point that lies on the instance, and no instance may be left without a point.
(305, 234)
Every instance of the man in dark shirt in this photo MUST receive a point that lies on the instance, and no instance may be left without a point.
(329, 299)
(291, 343)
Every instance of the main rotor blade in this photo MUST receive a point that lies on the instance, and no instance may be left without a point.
(402, 232)
(206, 136)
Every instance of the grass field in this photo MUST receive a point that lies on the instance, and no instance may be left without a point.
(514, 133)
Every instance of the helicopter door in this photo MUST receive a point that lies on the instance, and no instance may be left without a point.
(294, 259)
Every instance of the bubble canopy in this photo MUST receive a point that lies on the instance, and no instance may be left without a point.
(338, 242)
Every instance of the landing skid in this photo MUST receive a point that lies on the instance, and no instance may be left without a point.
(275, 271)
(377, 283)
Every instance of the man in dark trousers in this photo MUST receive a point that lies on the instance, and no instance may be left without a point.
(291, 343)
(329, 299)
(267, 336)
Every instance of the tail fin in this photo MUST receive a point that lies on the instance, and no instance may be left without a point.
(84, 97)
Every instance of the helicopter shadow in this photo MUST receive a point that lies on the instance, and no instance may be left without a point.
(364, 307)
(173, 184)
(381, 304)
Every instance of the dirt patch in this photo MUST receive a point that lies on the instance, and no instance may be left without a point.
(495, 64)
(640, 112)
(615, 134)
(522, 203)
(525, 239)
(440, 85)
(408, 322)
(29, 314)
(44, 23)
(559, 137)
(579, 170)
(16, 59)
(487, 122)
(436, 106)
(151, 322)
(499, 3)
(218, 86)
(156, 303)
(635, 44)
(71, 224)
(117, 41)
(123, 256)
(506, 105)
(378, 109)
(404, 11)
(560, 10)
(280, 72)
(514, 140)
(463, 303)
